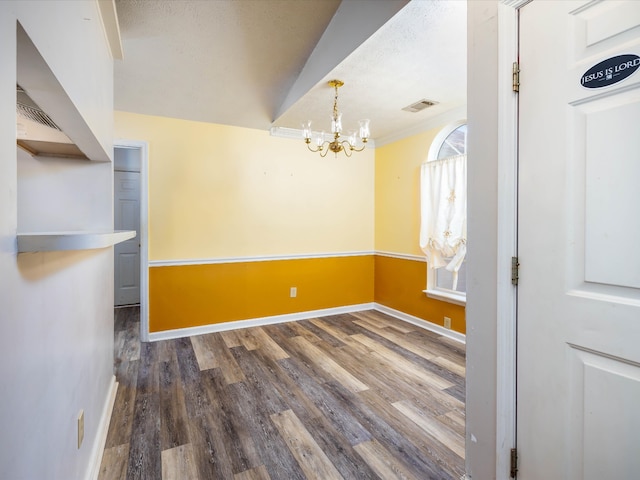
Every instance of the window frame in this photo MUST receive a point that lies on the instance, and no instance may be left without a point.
(432, 290)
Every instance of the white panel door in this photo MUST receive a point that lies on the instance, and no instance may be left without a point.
(578, 388)
(127, 254)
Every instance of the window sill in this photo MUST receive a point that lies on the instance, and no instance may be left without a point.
(445, 296)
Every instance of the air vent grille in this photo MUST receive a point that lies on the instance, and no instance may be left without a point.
(35, 115)
(419, 105)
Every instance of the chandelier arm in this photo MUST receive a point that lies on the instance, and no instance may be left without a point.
(347, 146)
(319, 149)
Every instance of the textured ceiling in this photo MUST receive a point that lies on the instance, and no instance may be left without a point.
(252, 63)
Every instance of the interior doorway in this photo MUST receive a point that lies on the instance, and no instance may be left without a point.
(126, 216)
(131, 157)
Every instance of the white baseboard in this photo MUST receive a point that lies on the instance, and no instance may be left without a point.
(101, 435)
(292, 317)
(445, 332)
(256, 322)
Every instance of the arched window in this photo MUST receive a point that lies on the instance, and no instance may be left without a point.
(443, 229)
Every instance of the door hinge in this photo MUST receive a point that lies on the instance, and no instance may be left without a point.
(514, 463)
(515, 270)
(516, 77)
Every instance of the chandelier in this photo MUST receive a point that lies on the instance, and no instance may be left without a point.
(337, 145)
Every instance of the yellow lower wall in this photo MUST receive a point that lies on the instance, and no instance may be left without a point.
(194, 295)
(399, 284)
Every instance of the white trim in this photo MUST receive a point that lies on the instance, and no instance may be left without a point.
(445, 332)
(265, 258)
(447, 296)
(256, 322)
(144, 231)
(111, 27)
(506, 294)
(93, 469)
(436, 121)
(402, 256)
(268, 258)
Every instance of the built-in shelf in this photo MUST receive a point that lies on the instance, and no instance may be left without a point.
(54, 241)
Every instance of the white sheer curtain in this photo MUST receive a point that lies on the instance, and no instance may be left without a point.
(443, 205)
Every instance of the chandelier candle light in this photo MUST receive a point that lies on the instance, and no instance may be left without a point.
(347, 146)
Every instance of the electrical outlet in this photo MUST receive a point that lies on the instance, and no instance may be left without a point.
(447, 323)
(80, 428)
(294, 292)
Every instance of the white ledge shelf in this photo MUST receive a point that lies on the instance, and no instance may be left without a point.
(55, 241)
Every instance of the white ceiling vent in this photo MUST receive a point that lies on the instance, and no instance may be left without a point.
(419, 105)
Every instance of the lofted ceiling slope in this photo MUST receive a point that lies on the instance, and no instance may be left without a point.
(266, 63)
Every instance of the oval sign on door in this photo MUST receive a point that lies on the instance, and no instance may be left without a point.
(610, 71)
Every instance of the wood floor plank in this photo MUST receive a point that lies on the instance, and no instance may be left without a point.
(256, 376)
(173, 414)
(258, 473)
(454, 367)
(319, 333)
(457, 391)
(179, 463)
(268, 345)
(289, 389)
(204, 352)
(166, 351)
(434, 427)
(144, 447)
(228, 365)
(271, 447)
(114, 463)
(399, 339)
(327, 364)
(338, 450)
(309, 455)
(382, 462)
(124, 405)
(248, 339)
(335, 332)
(305, 333)
(372, 320)
(332, 409)
(205, 434)
(442, 346)
(398, 362)
(228, 423)
(390, 322)
(231, 338)
(455, 421)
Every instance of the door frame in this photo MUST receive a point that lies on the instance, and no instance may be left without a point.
(144, 242)
(507, 236)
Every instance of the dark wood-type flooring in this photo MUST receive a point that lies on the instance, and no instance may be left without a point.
(353, 396)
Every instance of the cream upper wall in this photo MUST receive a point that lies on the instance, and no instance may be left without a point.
(397, 201)
(218, 191)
